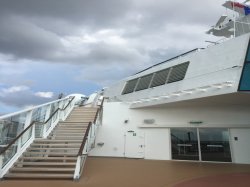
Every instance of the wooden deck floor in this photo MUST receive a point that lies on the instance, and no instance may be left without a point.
(119, 172)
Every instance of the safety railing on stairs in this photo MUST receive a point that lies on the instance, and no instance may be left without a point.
(88, 141)
(18, 130)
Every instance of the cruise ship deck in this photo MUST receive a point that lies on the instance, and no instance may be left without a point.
(113, 172)
(183, 122)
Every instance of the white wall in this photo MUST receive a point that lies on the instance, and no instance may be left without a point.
(214, 65)
(157, 144)
(241, 147)
(112, 132)
(157, 140)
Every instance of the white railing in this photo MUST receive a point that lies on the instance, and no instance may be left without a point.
(87, 145)
(18, 130)
(89, 139)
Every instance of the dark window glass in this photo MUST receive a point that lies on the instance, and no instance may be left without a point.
(248, 55)
(130, 86)
(215, 145)
(144, 82)
(245, 79)
(184, 144)
(178, 72)
(160, 78)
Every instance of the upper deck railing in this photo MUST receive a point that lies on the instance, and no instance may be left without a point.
(173, 58)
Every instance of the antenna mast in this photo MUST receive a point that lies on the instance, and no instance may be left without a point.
(234, 19)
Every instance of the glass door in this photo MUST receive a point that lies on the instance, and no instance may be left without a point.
(214, 145)
(184, 144)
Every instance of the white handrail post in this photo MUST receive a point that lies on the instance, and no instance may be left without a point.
(1, 163)
(61, 105)
(19, 144)
(78, 168)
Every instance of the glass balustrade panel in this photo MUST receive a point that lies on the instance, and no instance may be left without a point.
(11, 127)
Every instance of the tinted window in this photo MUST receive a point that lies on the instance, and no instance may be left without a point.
(130, 86)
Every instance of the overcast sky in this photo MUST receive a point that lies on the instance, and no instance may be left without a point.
(79, 46)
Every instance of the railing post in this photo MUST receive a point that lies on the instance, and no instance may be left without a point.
(19, 144)
(1, 162)
(77, 168)
(61, 112)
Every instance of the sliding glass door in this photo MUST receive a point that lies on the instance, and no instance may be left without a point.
(215, 145)
(184, 144)
(204, 144)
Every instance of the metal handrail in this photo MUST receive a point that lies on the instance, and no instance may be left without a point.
(31, 124)
(29, 109)
(96, 115)
(88, 128)
(84, 140)
(173, 58)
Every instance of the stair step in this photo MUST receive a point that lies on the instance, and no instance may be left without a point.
(72, 123)
(49, 158)
(69, 131)
(72, 127)
(37, 175)
(57, 141)
(79, 121)
(56, 145)
(25, 169)
(83, 121)
(82, 115)
(66, 134)
(50, 153)
(66, 137)
(52, 148)
(46, 163)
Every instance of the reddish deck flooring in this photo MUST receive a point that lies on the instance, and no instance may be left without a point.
(228, 180)
(118, 172)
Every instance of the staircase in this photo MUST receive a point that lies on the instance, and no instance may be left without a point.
(55, 157)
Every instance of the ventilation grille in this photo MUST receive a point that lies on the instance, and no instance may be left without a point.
(130, 86)
(178, 72)
(149, 121)
(160, 78)
(169, 75)
(144, 82)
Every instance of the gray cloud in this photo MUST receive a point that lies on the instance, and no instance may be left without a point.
(105, 75)
(121, 35)
(92, 13)
(25, 40)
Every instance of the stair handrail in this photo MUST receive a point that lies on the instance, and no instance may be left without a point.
(84, 139)
(32, 123)
(87, 136)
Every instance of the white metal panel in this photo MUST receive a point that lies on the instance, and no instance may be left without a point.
(214, 65)
(240, 144)
(134, 145)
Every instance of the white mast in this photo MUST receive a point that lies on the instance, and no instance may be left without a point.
(234, 19)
